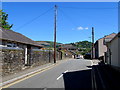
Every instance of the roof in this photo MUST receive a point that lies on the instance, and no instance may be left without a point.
(68, 46)
(110, 36)
(17, 37)
(117, 35)
(42, 42)
(107, 37)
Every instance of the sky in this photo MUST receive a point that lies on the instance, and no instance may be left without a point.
(60, 0)
(74, 19)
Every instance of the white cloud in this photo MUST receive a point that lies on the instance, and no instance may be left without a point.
(86, 28)
(82, 28)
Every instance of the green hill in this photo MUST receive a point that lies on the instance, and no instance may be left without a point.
(83, 47)
(48, 44)
(82, 44)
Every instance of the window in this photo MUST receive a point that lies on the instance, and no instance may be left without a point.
(9, 45)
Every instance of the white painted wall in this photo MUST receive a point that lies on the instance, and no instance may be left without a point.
(102, 48)
(114, 52)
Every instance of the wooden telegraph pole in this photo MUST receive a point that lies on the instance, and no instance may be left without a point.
(92, 42)
(55, 18)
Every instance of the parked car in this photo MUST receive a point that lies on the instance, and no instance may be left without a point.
(87, 56)
(78, 57)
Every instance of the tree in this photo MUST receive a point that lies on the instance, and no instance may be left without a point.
(3, 20)
(84, 47)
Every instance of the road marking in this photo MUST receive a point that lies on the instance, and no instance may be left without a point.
(24, 78)
(91, 63)
(61, 75)
(29, 76)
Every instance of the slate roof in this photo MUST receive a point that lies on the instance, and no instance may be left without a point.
(117, 35)
(42, 43)
(106, 38)
(17, 37)
(68, 46)
(110, 36)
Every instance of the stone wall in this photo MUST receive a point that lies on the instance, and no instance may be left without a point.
(43, 57)
(13, 61)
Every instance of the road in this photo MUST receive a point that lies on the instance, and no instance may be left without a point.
(74, 73)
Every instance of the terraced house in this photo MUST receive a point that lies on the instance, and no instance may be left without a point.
(113, 51)
(101, 48)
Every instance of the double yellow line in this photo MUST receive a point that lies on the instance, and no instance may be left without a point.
(24, 78)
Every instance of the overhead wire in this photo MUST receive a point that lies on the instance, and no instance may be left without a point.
(68, 17)
(34, 19)
(87, 8)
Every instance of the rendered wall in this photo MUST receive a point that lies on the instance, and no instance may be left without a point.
(114, 52)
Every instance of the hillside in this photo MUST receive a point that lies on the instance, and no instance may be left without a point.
(82, 44)
(48, 44)
(83, 47)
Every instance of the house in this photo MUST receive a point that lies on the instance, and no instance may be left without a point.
(14, 40)
(67, 47)
(113, 51)
(100, 47)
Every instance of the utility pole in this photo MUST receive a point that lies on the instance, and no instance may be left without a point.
(55, 23)
(92, 42)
